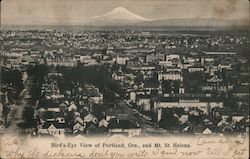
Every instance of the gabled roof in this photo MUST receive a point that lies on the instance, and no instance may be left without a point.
(246, 120)
(98, 115)
(91, 126)
(57, 125)
(79, 120)
(214, 79)
(194, 111)
(185, 127)
(90, 114)
(62, 105)
(72, 106)
(206, 121)
(207, 131)
(84, 113)
(103, 120)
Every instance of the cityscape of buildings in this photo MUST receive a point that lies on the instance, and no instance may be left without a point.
(134, 83)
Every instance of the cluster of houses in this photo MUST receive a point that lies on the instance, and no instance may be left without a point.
(58, 47)
(157, 73)
(77, 111)
(199, 84)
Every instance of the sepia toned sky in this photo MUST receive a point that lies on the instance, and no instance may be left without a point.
(51, 12)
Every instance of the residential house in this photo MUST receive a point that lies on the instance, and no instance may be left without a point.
(124, 127)
(51, 128)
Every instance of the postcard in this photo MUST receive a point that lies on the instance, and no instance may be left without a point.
(106, 79)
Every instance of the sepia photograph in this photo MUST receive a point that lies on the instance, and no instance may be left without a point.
(124, 79)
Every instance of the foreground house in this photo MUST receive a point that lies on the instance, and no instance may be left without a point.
(125, 127)
(51, 128)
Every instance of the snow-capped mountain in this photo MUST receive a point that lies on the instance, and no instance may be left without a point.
(120, 15)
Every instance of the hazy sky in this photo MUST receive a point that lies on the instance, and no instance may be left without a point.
(37, 12)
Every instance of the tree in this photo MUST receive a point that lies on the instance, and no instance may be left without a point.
(28, 116)
(6, 111)
(109, 96)
(169, 121)
(13, 77)
(176, 85)
(138, 79)
(194, 81)
(166, 86)
(37, 73)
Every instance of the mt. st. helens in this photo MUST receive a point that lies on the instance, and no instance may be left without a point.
(120, 15)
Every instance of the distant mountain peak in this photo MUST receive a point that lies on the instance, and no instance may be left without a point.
(120, 9)
(121, 15)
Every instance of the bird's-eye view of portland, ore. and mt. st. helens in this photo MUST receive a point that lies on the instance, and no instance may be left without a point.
(133, 68)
